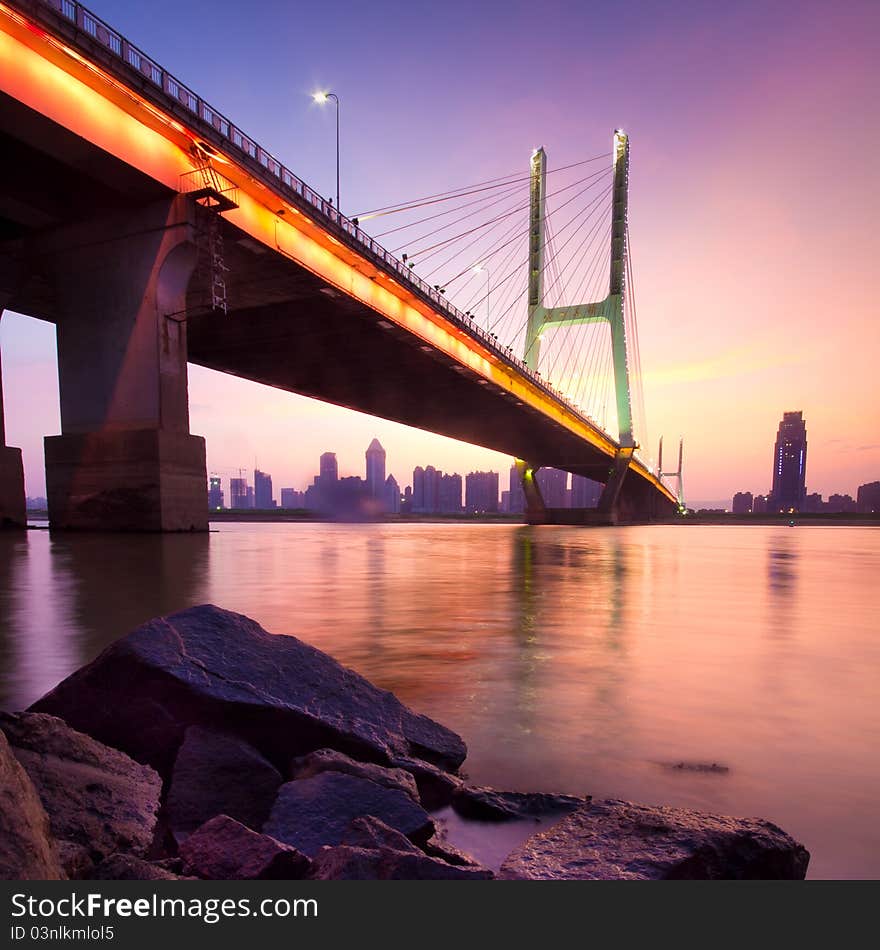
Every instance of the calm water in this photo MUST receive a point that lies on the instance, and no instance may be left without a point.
(583, 661)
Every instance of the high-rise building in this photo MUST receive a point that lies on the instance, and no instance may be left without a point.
(238, 491)
(375, 469)
(868, 498)
(263, 490)
(450, 494)
(742, 503)
(553, 483)
(249, 498)
(789, 464)
(517, 501)
(392, 495)
(585, 493)
(432, 488)
(215, 493)
(481, 492)
(759, 505)
(418, 489)
(291, 498)
(329, 469)
(842, 504)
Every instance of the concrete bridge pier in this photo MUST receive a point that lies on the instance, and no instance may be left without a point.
(12, 500)
(125, 459)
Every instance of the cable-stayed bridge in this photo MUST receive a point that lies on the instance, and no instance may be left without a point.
(152, 231)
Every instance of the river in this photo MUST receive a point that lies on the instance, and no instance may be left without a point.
(589, 661)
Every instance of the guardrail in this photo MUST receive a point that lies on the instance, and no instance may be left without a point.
(282, 179)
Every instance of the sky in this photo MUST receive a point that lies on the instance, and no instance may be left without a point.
(753, 203)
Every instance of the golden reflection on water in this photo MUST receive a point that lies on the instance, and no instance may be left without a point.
(584, 661)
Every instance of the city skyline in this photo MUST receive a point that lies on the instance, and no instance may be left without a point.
(718, 241)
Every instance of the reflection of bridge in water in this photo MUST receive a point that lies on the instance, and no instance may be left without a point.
(152, 231)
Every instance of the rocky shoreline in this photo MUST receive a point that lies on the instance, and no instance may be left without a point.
(201, 746)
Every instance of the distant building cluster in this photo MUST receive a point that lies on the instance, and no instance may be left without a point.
(432, 491)
(789, 481)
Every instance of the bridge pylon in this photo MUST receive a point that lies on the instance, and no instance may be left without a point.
(609, 310)
(677, 475)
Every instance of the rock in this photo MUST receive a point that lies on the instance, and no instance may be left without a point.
(434, 784)
(370, 833)
(487, 804)
(218, 774)
(615, 840)
(348, 863)
(127, 867)
(439, 847)
(328, 760)
(27, 848)
(76, 859)
(95, 796)
(225, 850)
(207, 666)
(312, 812)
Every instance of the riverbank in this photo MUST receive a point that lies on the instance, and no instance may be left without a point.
(199, 745)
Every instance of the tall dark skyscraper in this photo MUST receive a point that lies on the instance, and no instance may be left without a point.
(329, 470)
(238, 489)
(481, 491)
(262, 490)
(789, 464)
(375, 470)
(215, 493)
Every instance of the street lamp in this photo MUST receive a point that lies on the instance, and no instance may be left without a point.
(321, 98)
(479, 270)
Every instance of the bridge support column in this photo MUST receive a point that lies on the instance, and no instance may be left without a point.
(125, 460)
(536, 510)
(608, 500)
(12, 500)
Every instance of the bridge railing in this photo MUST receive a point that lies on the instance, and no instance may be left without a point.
(282, 179)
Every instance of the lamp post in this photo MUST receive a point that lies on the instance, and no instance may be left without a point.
(321, 98)
(479, 270)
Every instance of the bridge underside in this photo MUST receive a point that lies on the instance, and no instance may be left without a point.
(75, 239)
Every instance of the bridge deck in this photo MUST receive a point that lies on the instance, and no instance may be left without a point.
(326, 312)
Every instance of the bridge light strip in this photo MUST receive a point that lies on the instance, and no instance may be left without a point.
(126, 125)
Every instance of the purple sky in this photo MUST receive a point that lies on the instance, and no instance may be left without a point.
(753, 202)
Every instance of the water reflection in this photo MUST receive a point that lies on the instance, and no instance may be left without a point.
(574, 660)
(67, 596)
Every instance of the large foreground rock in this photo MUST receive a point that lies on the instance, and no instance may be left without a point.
(218, 774)
(210, 667)
(27, 849)
(615, 840)
(96, 797)
(313, 812)
(225, 850)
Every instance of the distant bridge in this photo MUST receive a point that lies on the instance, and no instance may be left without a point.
(152, 232)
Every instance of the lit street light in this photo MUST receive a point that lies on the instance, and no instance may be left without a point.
(321, 98)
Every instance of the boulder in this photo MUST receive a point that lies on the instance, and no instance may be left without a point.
(211, 667)
(218, 774)
(439, 847)
(225, 850)
(435, 785)
(370, 833)
(27, 848)
(128, 867)
(348, 863)
(616, 840)
(76, 859)
(487, 804)
(95, 796)
(328, 760)
(313, 812)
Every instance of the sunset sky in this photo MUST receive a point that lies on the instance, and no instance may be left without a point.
(753, 203)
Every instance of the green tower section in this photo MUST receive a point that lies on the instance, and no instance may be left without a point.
(611, 309)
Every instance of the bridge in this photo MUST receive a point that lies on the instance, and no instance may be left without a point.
(153, 232)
